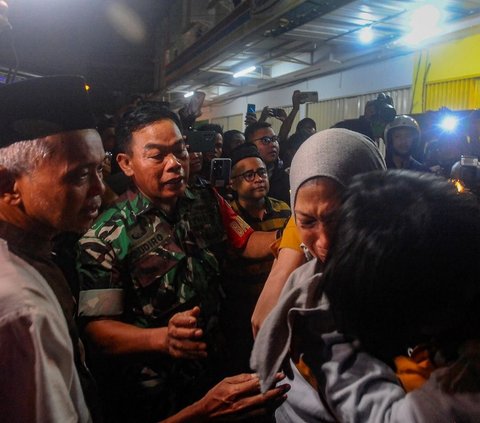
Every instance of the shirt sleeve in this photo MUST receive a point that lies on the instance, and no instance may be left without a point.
(238, 231)
(101, 283)
(290, 238)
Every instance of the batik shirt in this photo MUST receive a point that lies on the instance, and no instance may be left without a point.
(141, 266)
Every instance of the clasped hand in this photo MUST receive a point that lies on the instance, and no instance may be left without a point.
(184, 338)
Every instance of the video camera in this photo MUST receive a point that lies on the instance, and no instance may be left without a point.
(466, 172)
(384, 110)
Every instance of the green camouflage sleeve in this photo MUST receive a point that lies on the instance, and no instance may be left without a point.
(102, 275)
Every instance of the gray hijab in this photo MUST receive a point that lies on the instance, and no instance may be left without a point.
(336, 153)
(339, 154)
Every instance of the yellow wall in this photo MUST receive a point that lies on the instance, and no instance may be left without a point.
(442, 72)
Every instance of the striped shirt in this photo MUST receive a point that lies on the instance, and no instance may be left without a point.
(276, 216)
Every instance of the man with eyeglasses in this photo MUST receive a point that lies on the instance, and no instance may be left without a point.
(245, 277)
(263, 136)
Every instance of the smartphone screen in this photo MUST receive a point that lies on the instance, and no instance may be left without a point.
(220, 170)
(251, 108)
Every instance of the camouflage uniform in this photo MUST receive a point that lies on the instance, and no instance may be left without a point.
(141, 267)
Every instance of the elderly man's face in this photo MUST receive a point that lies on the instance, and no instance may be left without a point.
(158, 162)
(64, 191)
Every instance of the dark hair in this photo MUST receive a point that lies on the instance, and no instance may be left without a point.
(404, 263)
(228, 138)
(244, 151)
(305, 122)
(251, 129)
(138, 118)
(213, 127)
(103, 123)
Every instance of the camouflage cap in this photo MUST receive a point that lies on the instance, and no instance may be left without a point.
(44, 106)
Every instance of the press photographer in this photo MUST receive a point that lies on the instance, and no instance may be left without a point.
(377, 114)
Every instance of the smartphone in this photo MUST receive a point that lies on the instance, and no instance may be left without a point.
(276, 112)
(251, 108)
(201, 141)
(308, 97)
(220, 170)
(195, 105)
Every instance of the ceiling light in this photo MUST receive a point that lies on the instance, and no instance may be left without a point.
(244, 72)
(365, 35)
(424, 24)
(189, 94)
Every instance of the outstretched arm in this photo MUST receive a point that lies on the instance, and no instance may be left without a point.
(288, 120)
(234, 397)
(258, 245)
(288, 260)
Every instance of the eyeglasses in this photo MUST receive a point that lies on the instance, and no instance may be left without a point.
(249, 175)
(267, 140)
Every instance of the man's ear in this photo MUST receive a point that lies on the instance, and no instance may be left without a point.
(8, 187)
(125, 163)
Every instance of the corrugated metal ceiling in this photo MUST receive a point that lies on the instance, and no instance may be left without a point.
(310, 35)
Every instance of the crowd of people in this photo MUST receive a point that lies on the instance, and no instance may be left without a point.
(333, 279)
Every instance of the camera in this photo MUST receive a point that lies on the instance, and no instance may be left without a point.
(275, 112)
(308, 97)
(384, 109)
(467, 173)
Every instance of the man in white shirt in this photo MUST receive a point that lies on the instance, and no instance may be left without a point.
(50, 171)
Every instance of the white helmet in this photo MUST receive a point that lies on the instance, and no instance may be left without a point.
(401, 121)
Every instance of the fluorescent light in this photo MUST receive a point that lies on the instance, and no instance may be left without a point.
(365, 35)
(427, 15)
(424, 24)
(189, 94)
(244, 72)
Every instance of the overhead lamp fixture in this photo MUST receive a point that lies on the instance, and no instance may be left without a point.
(244, 72)
(365, 35)
(424, 24)
(189, 94)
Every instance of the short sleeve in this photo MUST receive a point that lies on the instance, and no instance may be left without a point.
(238, 231)
(290, 238)
(101, 287)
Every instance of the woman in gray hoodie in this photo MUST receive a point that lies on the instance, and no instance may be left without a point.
(339, 378)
